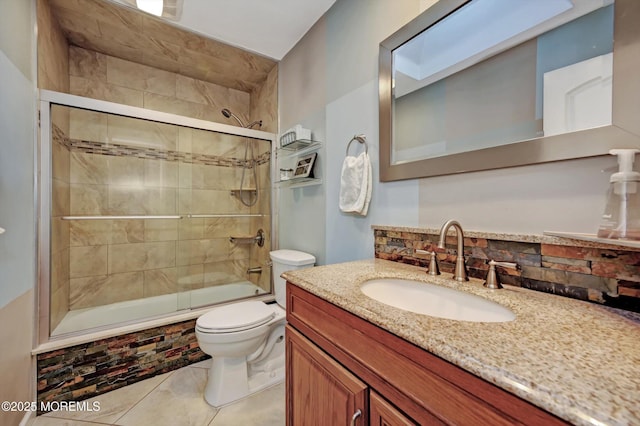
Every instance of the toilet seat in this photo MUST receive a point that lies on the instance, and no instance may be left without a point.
(235, 317)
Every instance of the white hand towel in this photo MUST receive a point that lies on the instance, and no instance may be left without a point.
(355, 184)
(367, 200)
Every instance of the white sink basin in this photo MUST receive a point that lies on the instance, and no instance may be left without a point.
(435, 301)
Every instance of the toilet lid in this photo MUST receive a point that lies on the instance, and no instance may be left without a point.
(235, 317)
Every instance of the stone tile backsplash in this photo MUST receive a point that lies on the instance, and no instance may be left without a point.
(608, 275)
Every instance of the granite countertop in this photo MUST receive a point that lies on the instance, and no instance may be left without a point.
(575, 359)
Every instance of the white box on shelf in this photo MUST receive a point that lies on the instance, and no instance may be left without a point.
(297, 135)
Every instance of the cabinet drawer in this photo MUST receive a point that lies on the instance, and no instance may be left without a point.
(425, 387)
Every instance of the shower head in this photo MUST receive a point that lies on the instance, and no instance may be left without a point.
(227, 113)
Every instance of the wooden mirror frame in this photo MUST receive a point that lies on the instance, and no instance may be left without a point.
(624, 132)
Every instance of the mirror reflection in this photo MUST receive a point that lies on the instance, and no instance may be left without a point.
(496, 72)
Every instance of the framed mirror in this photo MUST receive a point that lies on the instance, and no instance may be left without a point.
(484, 84)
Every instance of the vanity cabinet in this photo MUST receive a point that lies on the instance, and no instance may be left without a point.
(338, 363)
(382, 413)
(325, 392)
(318, 384)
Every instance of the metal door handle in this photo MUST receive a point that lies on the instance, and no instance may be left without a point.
(357, 414)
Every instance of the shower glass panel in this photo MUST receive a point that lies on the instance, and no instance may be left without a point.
(142, 215)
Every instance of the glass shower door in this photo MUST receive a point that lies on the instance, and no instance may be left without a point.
(224, 198)
(142, 214)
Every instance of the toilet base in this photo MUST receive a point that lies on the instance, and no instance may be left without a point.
(267, 373)
(231, 379)
(227, 381)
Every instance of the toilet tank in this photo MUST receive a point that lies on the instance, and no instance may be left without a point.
(287, 260)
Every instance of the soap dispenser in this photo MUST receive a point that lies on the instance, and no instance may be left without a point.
(621, 217)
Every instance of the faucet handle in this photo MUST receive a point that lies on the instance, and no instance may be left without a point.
(492, 277)
(434, 268)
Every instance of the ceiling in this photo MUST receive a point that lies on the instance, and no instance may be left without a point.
(204, 45)
(267, 27)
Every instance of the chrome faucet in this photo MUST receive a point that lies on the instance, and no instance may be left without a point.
(460, 273)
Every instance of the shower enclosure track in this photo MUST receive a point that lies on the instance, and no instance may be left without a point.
(188, 216)
(117, 217)
(225, 215)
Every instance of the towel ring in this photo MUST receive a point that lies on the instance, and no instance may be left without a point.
(362, 139)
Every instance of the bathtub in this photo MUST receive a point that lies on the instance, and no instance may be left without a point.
(149, 307)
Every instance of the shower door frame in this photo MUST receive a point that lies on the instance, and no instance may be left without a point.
(47, 99)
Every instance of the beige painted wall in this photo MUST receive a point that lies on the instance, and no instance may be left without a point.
(16, 370)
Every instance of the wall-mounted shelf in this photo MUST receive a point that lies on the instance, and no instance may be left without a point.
(289, 154)
(299, 182)
(594, 239)
(297, 149)
(299, 144)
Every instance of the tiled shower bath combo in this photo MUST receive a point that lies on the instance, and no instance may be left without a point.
(143, 209)
(142, 215)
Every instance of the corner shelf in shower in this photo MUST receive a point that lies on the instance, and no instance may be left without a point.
(253, 194)
(236, 192)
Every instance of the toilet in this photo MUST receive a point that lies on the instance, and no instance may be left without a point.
(246, 339)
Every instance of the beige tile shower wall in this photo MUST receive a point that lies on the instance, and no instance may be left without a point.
(53, 74)
(59, 272)
(53, 54)
(264, 106)
(117, 260)
(259, 256)
(132, 259)
(104, 77)
(264, 103)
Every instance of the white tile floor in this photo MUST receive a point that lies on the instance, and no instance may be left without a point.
(174, 399)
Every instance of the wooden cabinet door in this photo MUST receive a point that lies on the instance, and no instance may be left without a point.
(382, 413)
(320, 391)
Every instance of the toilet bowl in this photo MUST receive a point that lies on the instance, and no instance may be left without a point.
(246, 339)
